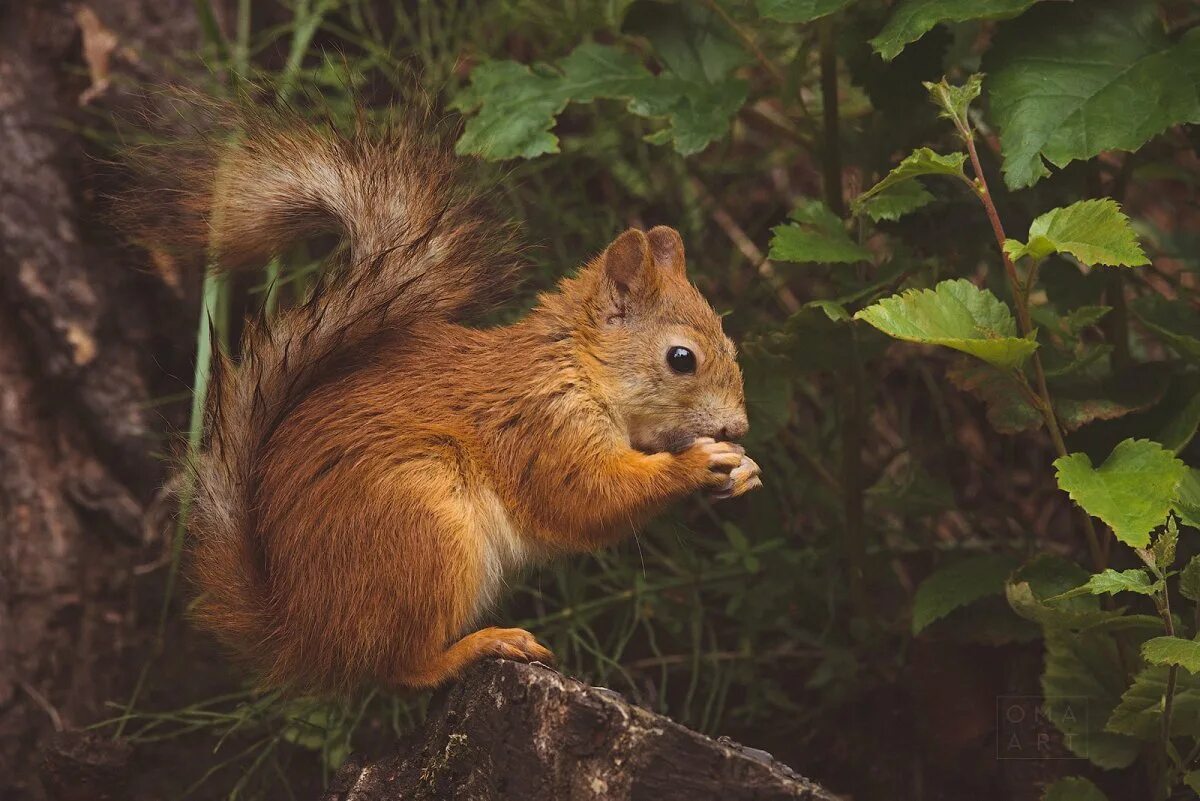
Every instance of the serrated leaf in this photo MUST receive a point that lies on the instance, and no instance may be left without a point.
(1078, 319)
(516, 111)
(816, 235)
(921, 161)
(1093, 231)
(1077, 364)
(1007, 409)
(1073, 788)
(1079, 399)
(1173, 651)
(1067, 81)
(688, 39)
(799, 10)
(1139, 714)
(953, 100)
(696, 91)
(512, 108)
(1110, 582)
(1131, 492)
(1083, 674)
(1177, 322)
(1187, 498)
(912, 19)
(1022, 599)
(1163, 550)
(1189, 580)
(955, 314)
(894, 202)
(958, 585)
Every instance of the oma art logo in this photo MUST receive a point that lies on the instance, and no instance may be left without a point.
(1034, 727)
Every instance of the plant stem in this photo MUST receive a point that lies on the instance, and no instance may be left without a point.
(831, 160)
(1163, 602)
(852, 421)
(747, 41)
(852, 484)
(1021, 301)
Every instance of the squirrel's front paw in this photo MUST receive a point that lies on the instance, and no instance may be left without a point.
(717, 464)
(741, 479)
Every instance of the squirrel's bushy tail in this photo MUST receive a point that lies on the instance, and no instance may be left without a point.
(418, 245)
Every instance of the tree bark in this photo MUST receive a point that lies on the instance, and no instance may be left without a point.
(86, 339)
(509, 730)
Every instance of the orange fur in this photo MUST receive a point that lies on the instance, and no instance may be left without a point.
(374, 468)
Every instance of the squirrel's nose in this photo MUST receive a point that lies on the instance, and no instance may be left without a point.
(735, 429)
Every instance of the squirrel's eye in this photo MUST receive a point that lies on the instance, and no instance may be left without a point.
(681, 360)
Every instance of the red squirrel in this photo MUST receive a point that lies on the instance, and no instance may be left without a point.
(373, 468)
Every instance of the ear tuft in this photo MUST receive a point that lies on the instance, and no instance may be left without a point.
(627, 260)
(666, 248)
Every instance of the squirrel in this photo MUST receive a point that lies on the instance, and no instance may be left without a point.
(374, 467)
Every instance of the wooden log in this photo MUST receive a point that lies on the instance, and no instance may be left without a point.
(513, 731)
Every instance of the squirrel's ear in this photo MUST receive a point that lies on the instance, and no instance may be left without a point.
(666, 249)
(629, 268)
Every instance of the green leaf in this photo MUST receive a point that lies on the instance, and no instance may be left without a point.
(1007, 409)
(958, 585)
(1173, 651)
(921, 161)
(1082, 684)
(912, 19)
(817, 235)
(696, 91)
(1177, 322)
(1132, 491)
(1111, 582)
(1093, 231)
(1067, 81)
(1187, 498)
(516, 111)
(513, 107)
(1163, 550)
(1047, 576)
(1078, 319)
(1079, 399)
(1139, 714)
(1073, 788)
(956, 314)
(799, 10)
(1180, 412)
(894, 202)
(1083, 678)
(689, 39)
(955, 101)
(1189, 580)
(1192, 780)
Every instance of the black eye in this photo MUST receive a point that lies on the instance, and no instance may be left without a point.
(681, 360)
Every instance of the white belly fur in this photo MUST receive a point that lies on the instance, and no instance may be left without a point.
(505, 551)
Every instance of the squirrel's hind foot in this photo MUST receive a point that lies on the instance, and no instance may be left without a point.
(516, 644)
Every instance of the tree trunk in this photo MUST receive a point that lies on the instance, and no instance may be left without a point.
(86, 339)
(509, 730)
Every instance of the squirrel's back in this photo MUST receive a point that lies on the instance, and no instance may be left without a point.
(419, 246)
